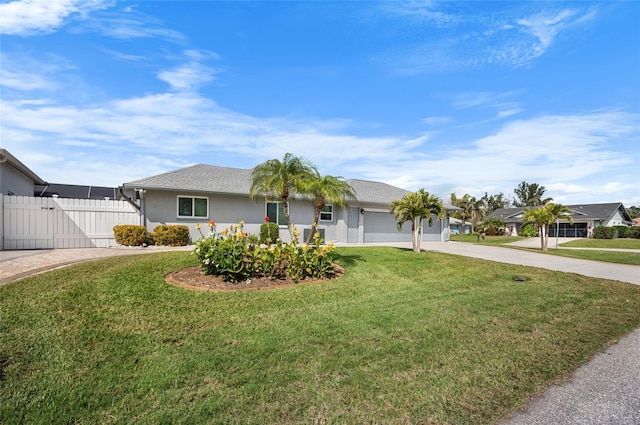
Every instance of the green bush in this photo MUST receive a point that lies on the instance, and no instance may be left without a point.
(604, 232)
(235, 258)
(621, 231)
(528, 230)
(269, 233)
(170, 235)
(131, 235)
(634, 232)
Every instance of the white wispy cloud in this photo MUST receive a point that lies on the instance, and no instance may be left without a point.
(132, 24)
(191, 74)
(437, 120)
(420, 11)
(559, 151)
(507, 41)
(29, 17)
(24, 73)
(485, 99)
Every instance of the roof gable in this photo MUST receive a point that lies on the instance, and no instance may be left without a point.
(7, 158)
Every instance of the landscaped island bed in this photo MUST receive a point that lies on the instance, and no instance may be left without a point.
(401, 337)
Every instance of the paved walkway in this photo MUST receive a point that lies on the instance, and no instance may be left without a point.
(604, 391)
(18, 264)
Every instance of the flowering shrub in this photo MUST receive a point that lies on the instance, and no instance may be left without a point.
(235, 257)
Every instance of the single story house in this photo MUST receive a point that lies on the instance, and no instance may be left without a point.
(585, 217)
(456, 226)
(202, 193)
(16, 179)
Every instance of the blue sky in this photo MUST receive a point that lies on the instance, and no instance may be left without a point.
(464, 97)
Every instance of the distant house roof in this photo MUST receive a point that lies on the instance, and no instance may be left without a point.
(202, 178)
(581, 212)
(6, 157)
(75, 191)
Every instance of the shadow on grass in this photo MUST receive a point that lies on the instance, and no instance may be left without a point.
(347, 259)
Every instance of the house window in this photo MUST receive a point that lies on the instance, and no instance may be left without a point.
(275, 213)
(190, 206)
(326, 213)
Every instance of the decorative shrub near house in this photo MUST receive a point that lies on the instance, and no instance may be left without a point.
(269, 232)
(529, 230)
(604, 232)
(131, 235)
(622, 231)
(233, 256)
(170, 235)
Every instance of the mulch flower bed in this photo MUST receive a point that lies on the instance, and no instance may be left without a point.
(193, 279)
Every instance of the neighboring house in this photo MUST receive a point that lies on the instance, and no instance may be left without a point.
(455, 224)
(636, 221)
(16, 179)
(203, 193)
(584, 216)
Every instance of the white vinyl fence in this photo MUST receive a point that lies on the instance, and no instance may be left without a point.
(47, 223)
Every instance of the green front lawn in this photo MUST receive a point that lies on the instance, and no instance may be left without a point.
(400, 338)
(623, 243)
(632, 258)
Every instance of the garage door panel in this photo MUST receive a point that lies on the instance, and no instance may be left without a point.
(381, 227)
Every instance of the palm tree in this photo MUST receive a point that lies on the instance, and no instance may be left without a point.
(544, 216)
(466, 212)
(477, 208)
(415, 207)
(530, 195)
(326, 189)
(281, 179)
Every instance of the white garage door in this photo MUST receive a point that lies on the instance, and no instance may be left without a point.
(381, 227)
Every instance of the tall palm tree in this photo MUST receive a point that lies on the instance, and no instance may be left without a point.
(281, 179)
(415, 207)
(478, 209)
(466, 212)
(530, 195)
(544, 216)
(326, 190)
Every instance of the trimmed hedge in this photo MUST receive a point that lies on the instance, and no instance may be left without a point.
(604, 232)
(170, 235)
(269, 233)
(131, 235)
(622, 231)
(634, 232)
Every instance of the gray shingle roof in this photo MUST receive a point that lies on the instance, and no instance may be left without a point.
(581, 212)
(213, 179)
(376, 192)
(199, 178)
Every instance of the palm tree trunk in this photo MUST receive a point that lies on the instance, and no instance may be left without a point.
(314, 226)
(287, 219)
(546, 237)
(541, 231)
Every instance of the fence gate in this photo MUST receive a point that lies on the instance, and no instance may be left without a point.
(46, 223)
